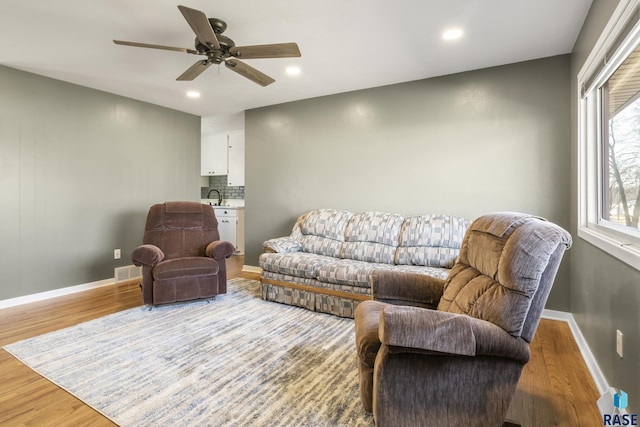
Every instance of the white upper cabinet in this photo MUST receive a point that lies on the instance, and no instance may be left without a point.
(213, 154)
(235, 177)
(223, 154)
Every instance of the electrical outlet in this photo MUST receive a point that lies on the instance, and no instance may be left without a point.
(619, 336)
(116, 254)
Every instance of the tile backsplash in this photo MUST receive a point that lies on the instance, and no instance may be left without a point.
(219, 183)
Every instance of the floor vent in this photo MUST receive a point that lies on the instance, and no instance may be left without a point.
(128, 272)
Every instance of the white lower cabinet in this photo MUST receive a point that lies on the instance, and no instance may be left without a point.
(231, 226)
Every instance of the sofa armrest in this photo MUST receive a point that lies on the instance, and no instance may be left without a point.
(404, 288)
(414, 329)
(147, 255)
(282, 245)
(220, 249)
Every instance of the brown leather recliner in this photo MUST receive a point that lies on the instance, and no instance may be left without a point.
(436, 352)
(182, 256)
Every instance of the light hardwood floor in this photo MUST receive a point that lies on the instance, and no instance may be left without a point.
(555, 388)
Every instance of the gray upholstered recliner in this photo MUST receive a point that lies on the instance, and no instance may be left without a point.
(450, 352)
(182, 256)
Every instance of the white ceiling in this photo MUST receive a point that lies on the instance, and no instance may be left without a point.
(346, 45)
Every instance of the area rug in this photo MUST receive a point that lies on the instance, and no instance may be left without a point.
(236, 361)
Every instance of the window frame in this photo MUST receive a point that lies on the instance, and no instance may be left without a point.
(619, 38)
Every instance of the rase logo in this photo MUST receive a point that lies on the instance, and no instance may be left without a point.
(619, 416)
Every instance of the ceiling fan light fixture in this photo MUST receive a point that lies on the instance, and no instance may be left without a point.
(452, 34)
(293, 70)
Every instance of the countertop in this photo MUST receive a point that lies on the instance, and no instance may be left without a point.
(226, 204)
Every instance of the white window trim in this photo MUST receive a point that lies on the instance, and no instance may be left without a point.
(618, 244)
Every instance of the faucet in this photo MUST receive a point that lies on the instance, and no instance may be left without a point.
(219, 196)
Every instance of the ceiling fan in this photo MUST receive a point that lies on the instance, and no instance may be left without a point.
(218, 48)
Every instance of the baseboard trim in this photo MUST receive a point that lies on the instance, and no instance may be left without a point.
(251, 269)
(587, 355)
(26, 299)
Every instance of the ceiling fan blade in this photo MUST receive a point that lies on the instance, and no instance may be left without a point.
(249, 72)
(200, 25)
(194, 71)
(280, 50)
(155, 46)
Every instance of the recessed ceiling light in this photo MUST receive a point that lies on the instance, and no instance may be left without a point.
(452, 34)
(293, 71)
(193, 94)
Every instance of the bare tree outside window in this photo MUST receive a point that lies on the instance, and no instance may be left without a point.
(621, 145)
(624, 166)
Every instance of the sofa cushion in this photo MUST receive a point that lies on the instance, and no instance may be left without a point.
(372, 237)
(438, 272)
(323, 231)
(431, 240)
(300, 264)
(321, 246)
(346, 272)
(358, 273)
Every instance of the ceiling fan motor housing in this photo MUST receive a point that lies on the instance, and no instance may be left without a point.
(215, 55)
(218, 25)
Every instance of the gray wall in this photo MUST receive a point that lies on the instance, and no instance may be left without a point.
(79, 169)
(605, 293)
(465, 144)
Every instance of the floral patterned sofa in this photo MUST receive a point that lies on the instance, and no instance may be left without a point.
(326, 264)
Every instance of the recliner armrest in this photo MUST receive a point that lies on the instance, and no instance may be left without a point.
(282, 245)
(220, 249)
(414, 329)
(405, 288)
(147, 255)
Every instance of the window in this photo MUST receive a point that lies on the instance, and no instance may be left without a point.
(620, 117)
(609, 138)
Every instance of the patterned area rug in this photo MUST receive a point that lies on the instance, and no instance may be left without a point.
(237, 361)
